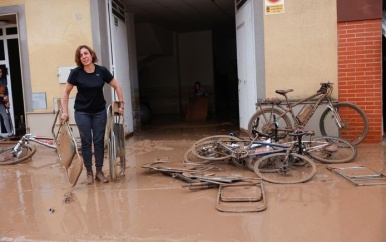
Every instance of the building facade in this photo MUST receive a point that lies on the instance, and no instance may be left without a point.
(307, 43)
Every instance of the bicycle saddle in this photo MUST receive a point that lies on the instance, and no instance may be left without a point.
(283, 92)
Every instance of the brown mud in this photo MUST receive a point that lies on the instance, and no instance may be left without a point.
(38, 204)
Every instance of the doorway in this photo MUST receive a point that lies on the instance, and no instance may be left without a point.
(195, 42)
(10, 64)
(167, 75)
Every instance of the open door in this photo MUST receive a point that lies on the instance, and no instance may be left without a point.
(119, 57)
(246, 62)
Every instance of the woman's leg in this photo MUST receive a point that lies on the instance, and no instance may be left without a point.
(83, 121)
(98, 130)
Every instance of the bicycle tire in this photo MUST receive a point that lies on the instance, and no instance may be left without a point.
(331, 150)
(355, 123)
(301, 168)
(189, 157)
(208, 148)
(237, 162)
(263, 122)
(7, 158)
(250, 162)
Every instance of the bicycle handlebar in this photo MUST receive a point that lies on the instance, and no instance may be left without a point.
(324, 87)
(327, 83)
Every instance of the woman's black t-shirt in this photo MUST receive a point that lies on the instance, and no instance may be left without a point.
(90, 98)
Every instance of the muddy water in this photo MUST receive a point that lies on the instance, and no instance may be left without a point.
(37, 203)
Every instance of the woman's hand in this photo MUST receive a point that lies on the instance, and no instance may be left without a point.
(121, 110)
(64, 118)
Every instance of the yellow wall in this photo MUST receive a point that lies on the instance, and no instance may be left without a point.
(300, 44)
(301, 47)
(54, 30)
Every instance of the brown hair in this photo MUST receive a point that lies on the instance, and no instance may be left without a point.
(77, 55)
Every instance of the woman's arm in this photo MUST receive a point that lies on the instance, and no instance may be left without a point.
(118, 90)
(65, 98)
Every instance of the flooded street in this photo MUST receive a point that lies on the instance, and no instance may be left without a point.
(38, 204)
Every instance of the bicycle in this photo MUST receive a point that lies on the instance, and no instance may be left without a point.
(23, 150)
(62, 141)
(277, 168)
(351, 121)
(247, 152)
(220, 147)
(325, 149)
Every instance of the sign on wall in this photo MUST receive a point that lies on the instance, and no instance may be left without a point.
(274, 7)
(39, 100)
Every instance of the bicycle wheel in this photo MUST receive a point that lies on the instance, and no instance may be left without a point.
(263, 121)
(189, 157)
(26, 152)
(250, 162)
(354, 123)
(331, 150)
(271, 168)
(217, 147)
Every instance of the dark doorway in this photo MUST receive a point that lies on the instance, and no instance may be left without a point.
(196, 42)
(225, 75)
(10, 63)
(17, 88)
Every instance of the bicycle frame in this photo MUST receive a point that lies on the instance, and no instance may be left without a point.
(323, 95)
(270, 148)
(42, 140)
(45, 141)
(286, 147)
(280, 148)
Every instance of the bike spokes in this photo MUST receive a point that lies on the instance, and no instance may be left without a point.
(278, 168)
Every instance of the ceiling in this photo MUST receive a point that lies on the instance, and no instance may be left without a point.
(184, 15)
(178, 15)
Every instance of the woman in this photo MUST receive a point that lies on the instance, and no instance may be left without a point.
(90, 107)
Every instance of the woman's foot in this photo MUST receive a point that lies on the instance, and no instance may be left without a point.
(99, 176)
(90, 178)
